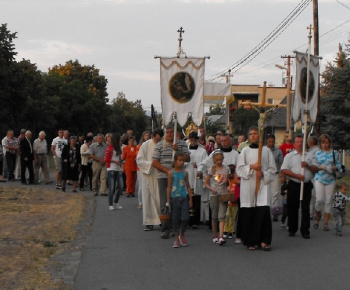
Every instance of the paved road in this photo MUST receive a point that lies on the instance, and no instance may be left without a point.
(118, 254)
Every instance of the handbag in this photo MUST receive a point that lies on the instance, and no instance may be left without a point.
(226, 197)
(338, 174)
(275, 209)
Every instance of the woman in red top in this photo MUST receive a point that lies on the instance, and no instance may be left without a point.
(130, 166)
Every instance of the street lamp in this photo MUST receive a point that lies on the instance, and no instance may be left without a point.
(283, 77)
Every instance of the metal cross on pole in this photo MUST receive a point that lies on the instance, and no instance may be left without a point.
(261, 108)
(179, 52)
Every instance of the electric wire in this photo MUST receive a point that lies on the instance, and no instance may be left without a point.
(269, 38)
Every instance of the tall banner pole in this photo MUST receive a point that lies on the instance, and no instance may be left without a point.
(306, 111)
(175, 133)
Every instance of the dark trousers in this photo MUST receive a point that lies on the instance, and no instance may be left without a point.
(294, 204)
(195, 217)
(24, 165)
(11, 164)
(86, 170)
(285, 213)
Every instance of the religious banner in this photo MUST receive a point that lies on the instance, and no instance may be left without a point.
(182, 87)
(299, 104)
(216, 93)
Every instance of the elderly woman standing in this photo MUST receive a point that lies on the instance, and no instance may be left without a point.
(71, 161)
(326, 161)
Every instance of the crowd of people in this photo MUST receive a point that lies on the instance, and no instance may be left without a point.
(231, 188)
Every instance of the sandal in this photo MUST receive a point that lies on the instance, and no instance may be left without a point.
(251, 248)
(325, 228)
(315, 226)
(266, 247)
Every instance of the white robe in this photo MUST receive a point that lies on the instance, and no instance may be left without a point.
(229, 158)
(197, 156)
(150, 191)
(248, 176)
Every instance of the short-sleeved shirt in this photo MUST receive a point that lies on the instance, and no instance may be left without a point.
(286, 148)
(11, 142)
(164, 154)
(292, 162)
(99, 150)
(59, 144)
(325, 158)
(218, 179)
(40, 146)
(178, 184)
(339, 200)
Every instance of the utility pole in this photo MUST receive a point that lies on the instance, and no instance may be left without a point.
(229, 127)
(288, 57)
(317, 124)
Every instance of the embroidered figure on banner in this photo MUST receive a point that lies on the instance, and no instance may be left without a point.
(302, 85)
(182, 87)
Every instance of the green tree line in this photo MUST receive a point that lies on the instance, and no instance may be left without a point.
(70, 96)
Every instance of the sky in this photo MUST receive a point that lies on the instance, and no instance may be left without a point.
(121, 37)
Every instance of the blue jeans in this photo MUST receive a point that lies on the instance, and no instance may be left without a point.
(339, 216)
(114, 178)
(179, 214)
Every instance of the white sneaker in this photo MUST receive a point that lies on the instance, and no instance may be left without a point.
(238, 241)
(111, 207)
(118, 206)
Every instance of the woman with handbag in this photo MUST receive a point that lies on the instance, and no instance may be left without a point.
(216, 181)
(326, 165)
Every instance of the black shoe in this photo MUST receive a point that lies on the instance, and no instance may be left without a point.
(164, 236)
(291, 234)
(306, 236)
(63, 189)
(148, 228)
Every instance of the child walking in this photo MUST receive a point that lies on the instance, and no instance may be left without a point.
(216, 182)
(232, 208)
(339, 204)
(179, 196)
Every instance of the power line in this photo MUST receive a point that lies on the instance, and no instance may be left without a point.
(268, 39)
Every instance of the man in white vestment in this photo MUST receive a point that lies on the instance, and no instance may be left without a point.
(255, 212)
(150, 191)
(198, 154)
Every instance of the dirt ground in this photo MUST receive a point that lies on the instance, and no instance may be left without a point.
(42, 234)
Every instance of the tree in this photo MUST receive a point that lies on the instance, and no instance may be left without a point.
(7, 73)
(128, 115)
(82, 97)
(335, 118)
(243, 119)
(87, 74)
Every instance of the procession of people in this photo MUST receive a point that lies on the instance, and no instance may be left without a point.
(229, 191)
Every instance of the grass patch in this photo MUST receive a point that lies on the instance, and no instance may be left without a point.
(34, 225)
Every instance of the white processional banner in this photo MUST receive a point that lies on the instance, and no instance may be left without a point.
(216, 93)
(299, 104)
(182, 87)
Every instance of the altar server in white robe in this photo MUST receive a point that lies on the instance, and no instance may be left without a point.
(150, 191)
(255, 214)
(198, 154)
